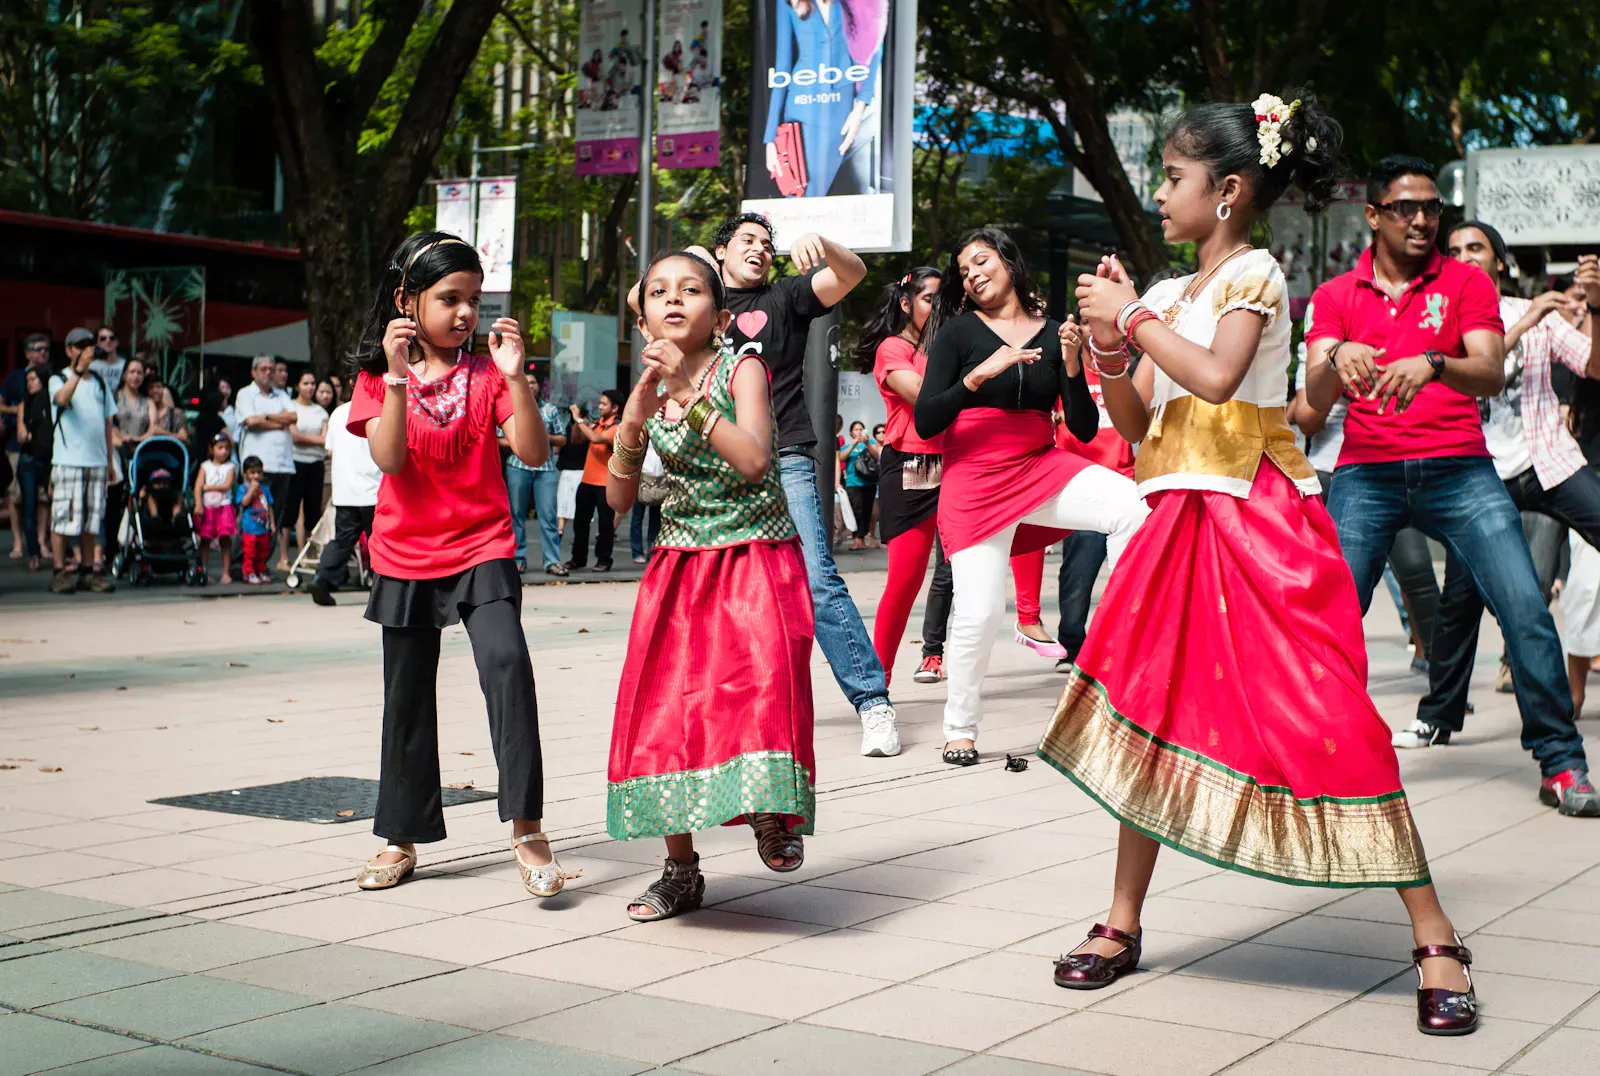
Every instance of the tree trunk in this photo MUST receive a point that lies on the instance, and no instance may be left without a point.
(610, 252)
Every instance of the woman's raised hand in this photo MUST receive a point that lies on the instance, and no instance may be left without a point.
(1071, 345)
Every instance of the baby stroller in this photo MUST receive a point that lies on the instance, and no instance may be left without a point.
(157, 532)
(306, 560)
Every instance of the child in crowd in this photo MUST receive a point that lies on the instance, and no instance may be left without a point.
(255, 521)
(213, 499)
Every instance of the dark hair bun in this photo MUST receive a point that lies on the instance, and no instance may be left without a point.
(1317, 141)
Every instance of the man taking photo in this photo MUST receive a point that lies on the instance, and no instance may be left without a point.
(81, 407)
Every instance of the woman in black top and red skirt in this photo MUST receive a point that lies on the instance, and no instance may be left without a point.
(996, 368)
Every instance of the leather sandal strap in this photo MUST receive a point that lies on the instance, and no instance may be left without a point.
(1454, 952)
(1100, 930)
(528, 838)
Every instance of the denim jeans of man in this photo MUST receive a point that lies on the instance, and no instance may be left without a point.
(1411, 569)
(1460, 501)
(840, 632)
(545, 485)
(1573, 503)
(644, 525)
(519, 491)
(1081, 557)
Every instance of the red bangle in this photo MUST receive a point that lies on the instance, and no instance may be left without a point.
(1138, 318)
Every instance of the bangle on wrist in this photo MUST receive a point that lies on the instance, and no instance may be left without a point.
(967, 381)
(1098, 352)
(1136, 319)
(711, 424)
(397, 380)
(1125, 315)
(611, 465)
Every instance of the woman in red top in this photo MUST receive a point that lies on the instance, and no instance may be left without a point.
(442, 546)
(890, 347)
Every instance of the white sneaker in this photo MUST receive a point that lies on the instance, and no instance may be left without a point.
(879, 736)
(1421, 734)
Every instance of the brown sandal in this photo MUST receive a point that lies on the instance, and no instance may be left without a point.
(775, 842)
(1445, 1012)
(1091, 971)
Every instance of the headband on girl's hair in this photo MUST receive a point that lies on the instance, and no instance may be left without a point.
(406, 272)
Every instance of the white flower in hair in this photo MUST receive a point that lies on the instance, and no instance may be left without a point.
(1271, 114)
(1311, 145)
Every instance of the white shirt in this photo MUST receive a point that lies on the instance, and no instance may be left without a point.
(274, 448)
(355, 476)
(1525, 427)
(1322, 449)
(313, 419)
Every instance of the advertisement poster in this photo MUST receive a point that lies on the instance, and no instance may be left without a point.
(611, 77)
(497, 226)
(689, 84)
(830, 119)
(454, 208)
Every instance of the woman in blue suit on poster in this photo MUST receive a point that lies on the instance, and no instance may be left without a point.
(826, 56)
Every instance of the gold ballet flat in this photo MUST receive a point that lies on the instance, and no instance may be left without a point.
(387, 875)
(545, 881)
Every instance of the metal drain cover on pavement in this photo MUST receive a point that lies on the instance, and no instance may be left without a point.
(310, 799)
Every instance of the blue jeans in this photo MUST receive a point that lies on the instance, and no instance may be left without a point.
(544, 505)
(644, 524)
(32, 476)
(1461, 502)
(840, 633)
(519, 490)
(1081, 557)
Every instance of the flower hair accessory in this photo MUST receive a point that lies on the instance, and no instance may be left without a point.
(1271, 115)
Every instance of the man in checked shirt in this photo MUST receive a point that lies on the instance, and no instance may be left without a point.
(1542, 466)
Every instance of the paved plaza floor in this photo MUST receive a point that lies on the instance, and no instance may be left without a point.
(918, 938)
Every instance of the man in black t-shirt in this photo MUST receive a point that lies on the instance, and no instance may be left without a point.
(772, 320)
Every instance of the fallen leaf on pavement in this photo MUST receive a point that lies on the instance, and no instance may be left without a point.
(88, 728)
(274, 720)
(160, 727)
(344, 814)
(8, 766)
(288, 700)
(238, 664)
(122, 687)
(49, 769)
(191, 622)
(583, 631)
(464, 752)
(459, 784)
(263, 622)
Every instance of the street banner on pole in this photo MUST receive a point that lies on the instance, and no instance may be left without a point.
(830, 119)
(689, 84)
(611, 77)
(454, 209)
(497, 227)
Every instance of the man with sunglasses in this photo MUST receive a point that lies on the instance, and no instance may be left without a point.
(109, 365)
(1413, 339)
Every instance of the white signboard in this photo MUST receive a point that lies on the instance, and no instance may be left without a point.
(1537, 196)
(497, 227)
(454, 212)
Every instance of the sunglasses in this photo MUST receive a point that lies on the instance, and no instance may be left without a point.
(107, 336)
(1407, 208)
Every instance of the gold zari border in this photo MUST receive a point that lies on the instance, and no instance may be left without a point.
(1202, 808)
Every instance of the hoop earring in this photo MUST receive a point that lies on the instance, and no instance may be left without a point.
(1224, 210)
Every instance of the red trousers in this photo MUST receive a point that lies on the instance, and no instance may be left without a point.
(254, 556)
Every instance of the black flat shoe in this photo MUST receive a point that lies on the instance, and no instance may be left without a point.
(966, 756)
(1091, 971)
(1446, 1012)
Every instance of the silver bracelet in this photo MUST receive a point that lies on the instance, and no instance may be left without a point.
(397, 380)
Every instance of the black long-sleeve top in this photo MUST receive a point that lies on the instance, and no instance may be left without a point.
(963, 343)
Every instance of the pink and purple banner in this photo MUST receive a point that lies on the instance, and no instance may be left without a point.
(611, 77)
(689, 84)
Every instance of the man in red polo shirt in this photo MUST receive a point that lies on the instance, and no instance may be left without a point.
(1412, 338)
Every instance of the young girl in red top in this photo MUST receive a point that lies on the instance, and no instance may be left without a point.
(442, 546)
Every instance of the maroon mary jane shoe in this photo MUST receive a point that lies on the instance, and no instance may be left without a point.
(1091, 971)
(1445, 1012)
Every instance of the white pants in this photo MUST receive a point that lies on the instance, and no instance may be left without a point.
(567, 494)
(1580, 599)
(1097, 499)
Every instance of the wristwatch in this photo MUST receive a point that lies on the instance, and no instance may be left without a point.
(1435, 360)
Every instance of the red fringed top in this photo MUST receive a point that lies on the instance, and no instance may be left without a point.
(446, 510)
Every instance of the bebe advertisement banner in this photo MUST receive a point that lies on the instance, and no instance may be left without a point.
(611, 77)
(830, 132)
(689, 84)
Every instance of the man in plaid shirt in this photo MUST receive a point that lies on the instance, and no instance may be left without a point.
(1541, 464)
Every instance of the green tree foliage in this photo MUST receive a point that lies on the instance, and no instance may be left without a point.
(96, 101)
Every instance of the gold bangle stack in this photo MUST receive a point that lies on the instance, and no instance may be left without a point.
(699, 416)
(626, 460)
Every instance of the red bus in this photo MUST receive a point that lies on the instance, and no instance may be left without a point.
(54, 273)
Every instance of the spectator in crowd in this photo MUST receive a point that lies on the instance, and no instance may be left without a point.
(339, 394)
(355, 495)
(167, 419)
(210, 421)
(230, 417)
(106, 362)
(132, 424)
(13, 397)
(302, 509)
(592, 489)
(33, 469)
(213, 503)
(254, 501)
(81, 455)
(536, 486)
(860, 458)
(570, 460)
(265, 416)
(280, 375)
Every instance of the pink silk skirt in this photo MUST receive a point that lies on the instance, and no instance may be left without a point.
(714, 716)
(999, 466)
(1220, 703)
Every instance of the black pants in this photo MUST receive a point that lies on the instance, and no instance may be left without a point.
(349, 524)
(861, 498)
(410, 810)
(1081, 557)
(1411, 560)
(116, 508)
(936, 612)
(304, 495)
(1574, 503)
(590, 500)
